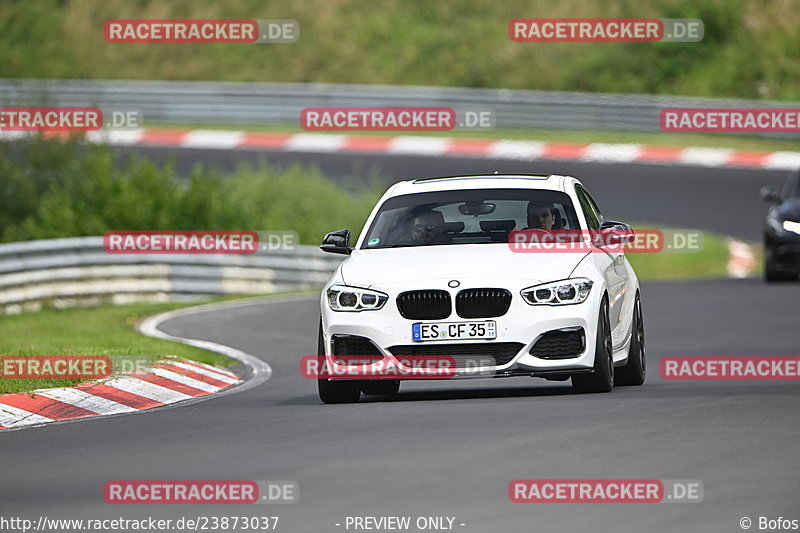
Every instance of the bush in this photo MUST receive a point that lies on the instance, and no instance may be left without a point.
(50, 189)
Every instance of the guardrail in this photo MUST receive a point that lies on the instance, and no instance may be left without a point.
(78, 271)
(280, 103)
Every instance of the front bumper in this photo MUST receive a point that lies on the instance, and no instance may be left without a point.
(522, 324)
(785, 257)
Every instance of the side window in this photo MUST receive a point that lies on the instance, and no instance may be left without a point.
(593, 217)
(594, 205)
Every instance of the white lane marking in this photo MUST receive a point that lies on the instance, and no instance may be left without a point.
(525, 150)
(14, 417)
(146, 389)
(219, 376)
(186, 380)
(614, 153)
(707, 157)
(116, 137)
(260, 370)
(84, 400)
(212, 139)
(315, 142)
(783, 161)
(418, 145)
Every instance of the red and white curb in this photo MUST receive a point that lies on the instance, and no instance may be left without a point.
(741, 261)
(442, 146)
(168, 381)
(452, 146)
(171, 382)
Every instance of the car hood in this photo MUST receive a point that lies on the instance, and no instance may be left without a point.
(387, 267)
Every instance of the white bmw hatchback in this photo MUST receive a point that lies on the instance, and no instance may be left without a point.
(436, 274)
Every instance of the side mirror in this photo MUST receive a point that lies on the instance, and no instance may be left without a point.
(770, 194)
(616, 233)
(337, 242)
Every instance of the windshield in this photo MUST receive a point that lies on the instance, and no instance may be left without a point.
(467, 217)
(792, 187)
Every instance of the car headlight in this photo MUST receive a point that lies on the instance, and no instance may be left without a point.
(564, 292)
(344, 298)
(792, 226)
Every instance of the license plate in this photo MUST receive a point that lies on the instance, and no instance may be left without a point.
(444, 331)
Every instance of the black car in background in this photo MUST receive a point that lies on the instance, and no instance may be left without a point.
(782, 231)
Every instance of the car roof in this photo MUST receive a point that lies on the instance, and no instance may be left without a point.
(552, 182)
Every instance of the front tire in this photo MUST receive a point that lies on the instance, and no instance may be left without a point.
(771, 273)
(634, 372)
(335, 391)
(602, 379)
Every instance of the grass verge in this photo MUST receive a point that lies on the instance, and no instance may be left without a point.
(106, 330)
(746, 51)
(710, 262)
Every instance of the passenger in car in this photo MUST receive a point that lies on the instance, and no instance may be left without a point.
(541, 215)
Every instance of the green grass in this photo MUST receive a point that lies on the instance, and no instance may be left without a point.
(743, 142)
(710, 262)
(105, 330)
(750, 48)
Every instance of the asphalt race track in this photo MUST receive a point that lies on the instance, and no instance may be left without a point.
(724, 200)
(451, 449)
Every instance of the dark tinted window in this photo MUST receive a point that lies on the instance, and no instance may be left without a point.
(590, 210)
(465, 216)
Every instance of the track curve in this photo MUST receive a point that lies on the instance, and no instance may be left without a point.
(452, 448)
